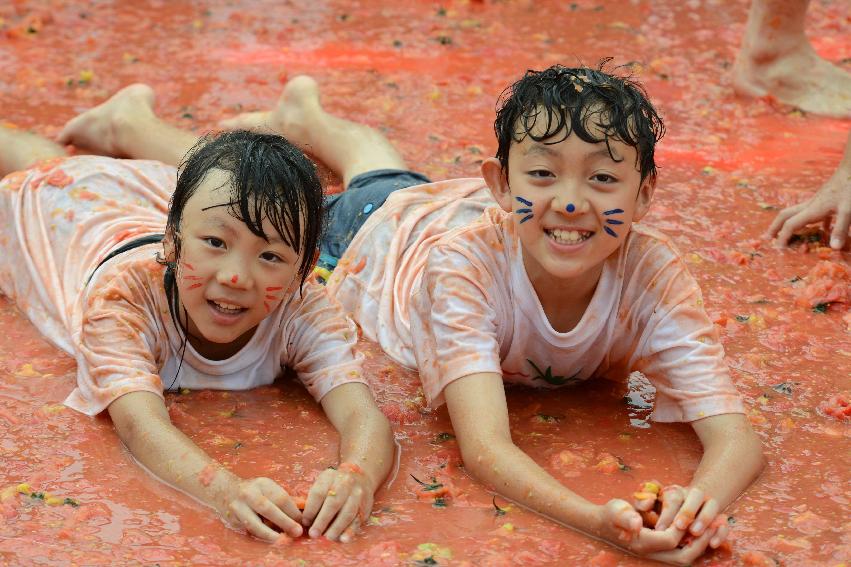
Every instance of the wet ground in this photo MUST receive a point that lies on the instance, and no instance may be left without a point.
(428, 74)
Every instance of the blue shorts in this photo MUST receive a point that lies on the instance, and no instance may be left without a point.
(347, 211)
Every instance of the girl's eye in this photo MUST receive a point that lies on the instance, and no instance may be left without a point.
(603, 178)
(271, 257)
(214, 242)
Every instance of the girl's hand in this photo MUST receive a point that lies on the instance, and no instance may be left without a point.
(338, 502)
(250, 501)
(690, 509)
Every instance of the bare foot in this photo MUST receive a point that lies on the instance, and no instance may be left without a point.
(795, 76)
(99, 129)
(289, 115)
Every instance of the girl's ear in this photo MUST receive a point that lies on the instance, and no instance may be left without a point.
(645, 196)
(497, 182)
(169, 251)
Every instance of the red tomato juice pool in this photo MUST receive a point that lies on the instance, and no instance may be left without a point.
(428, 74)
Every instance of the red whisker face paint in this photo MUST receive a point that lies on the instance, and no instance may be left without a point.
(234, 279)
(274, 288)
(195, 286)
(272, 297)
(268, 309)
(192, 278)
(188, 266)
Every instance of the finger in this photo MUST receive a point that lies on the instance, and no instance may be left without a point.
(316, 496)
(282, 500)
(721, 529)
(781, 218)
(348, 513)
(629, 520)
(334, 500)
(251, 522)
(705, 517)
(688, 511)
(651, 541)
(644, 501)
(350, 532)
(672, 499)
(800, 220)
(685, 555)
(274, 514)
(840, 229)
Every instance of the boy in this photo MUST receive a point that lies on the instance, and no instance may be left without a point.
(537, 268)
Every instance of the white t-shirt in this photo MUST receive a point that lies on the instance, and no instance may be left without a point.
(436, 277)
(60, 218)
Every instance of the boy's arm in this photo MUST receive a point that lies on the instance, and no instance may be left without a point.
(732, 460)
(479, 414)
(142, 422)
(342, 498)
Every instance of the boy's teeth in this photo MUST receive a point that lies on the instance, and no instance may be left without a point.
(569, 236)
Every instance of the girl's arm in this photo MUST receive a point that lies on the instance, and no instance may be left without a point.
(479, 416)
(341, 499)
(142, 422)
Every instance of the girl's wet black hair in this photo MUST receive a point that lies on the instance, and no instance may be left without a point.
(270, 179)
(570, 100)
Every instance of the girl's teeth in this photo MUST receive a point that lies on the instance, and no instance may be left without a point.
(227, 306)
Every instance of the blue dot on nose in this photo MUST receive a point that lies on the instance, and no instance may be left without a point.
(570, 208)
(367, 209)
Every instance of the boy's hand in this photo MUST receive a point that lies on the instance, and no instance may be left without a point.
(620, 524)
(250, 501)
(337, 503)
(689, 509)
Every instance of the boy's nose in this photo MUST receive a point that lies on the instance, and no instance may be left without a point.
(570, 205)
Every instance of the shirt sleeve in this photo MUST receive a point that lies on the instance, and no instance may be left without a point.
(453, 321)
(680, 352)
(320, 342)
(118, 344)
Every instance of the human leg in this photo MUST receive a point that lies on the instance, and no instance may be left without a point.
(348, 148)
(127, 126)
(777, 59)
(19, 150)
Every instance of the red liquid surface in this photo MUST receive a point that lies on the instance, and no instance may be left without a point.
(428, 74)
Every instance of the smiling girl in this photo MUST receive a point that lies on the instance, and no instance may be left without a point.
(208, 291)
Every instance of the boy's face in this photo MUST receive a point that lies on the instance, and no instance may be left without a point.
(229, 279)
(572, 204)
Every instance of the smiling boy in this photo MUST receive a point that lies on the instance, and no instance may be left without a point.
(553, 286)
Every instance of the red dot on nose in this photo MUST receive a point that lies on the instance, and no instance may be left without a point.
(234, 279)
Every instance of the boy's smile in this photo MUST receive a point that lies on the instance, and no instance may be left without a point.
(229, 279)
(573, 204)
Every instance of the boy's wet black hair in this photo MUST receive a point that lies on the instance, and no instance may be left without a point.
(570, 100)
(270, 179)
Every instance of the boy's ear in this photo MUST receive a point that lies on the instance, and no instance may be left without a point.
(497, 182)
(645, 196)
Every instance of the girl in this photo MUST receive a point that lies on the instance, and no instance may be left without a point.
(209, 292)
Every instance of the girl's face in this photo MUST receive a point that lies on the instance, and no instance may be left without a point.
(228, 278)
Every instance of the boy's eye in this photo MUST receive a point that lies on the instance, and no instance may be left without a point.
(603, 178)
(540, 173)
(214, 242)
(271, 257)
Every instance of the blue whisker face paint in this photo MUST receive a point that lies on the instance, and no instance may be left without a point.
(608, 230)
(526, 210)
(570, 207)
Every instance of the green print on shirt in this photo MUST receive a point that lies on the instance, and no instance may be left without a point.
(548, 375)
